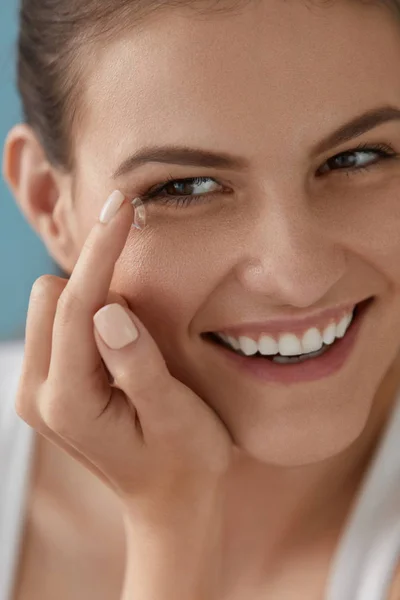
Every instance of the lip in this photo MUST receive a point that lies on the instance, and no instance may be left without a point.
(276, 327)
(313, 369)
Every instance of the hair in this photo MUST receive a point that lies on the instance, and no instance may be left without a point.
(53, 37)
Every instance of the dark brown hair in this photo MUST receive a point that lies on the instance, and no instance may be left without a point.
(54, 46)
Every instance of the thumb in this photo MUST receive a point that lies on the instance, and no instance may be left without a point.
(138, 367)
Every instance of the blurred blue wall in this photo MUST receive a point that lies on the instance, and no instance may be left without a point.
(23, 258)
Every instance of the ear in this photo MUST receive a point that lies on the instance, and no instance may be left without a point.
(42, 192)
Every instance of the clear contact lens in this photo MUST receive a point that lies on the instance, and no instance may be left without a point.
(140, 218)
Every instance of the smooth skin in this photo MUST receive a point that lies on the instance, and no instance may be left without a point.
(269, 83)
(149, 438)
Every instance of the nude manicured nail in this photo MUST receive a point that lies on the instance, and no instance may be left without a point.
(115, 326)
(111, 207)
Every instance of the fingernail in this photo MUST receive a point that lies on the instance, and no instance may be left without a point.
(115, 326)
(111, 207)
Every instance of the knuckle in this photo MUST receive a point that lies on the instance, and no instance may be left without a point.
(122, 377)
(53, 413)
(48, 285)
(60, 410)
(22, 407)
(145, 387)
(25, 405)
(68, 304)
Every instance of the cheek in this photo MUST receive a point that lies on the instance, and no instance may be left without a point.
(366, 222)
(168, 277)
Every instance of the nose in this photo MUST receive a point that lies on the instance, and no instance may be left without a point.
(291, 258)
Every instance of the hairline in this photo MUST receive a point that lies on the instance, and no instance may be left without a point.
(105, 30)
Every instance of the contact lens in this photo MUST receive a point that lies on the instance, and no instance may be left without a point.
(140, 218)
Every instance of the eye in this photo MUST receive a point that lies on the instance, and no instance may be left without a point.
(199, 190)
(359, 159)
(182, 192)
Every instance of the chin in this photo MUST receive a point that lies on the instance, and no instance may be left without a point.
(310, 421)
(301, 427)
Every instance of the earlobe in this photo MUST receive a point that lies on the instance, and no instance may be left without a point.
(36, 187)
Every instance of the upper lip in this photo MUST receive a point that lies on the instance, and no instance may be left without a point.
(275, 327)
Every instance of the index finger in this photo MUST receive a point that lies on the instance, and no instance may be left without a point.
(74, 350)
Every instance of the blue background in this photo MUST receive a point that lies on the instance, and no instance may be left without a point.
(23, 257)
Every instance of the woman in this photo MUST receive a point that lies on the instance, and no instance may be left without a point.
(217, 390)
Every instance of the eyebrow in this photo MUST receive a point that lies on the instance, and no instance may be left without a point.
(189, 156)
(181, 155)
(356, 127)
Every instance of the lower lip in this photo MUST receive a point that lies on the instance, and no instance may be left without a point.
(312, 369)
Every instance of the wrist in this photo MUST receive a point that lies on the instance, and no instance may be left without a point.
(176, 555)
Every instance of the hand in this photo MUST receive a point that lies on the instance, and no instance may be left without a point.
(146, 436)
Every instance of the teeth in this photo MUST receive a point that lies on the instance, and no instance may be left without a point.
(342, 327)
(289, 344)
(268, 346)
(233, 342)
(329, 334)
(248, 346)
(312, 340)
(291, 360)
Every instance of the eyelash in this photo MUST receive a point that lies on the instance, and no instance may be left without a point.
(384, 151)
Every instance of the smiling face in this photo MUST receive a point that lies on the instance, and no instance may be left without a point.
(289, 234)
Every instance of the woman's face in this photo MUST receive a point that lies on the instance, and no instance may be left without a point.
(291, 234)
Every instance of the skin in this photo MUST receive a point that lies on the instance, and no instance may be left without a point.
(273, 241)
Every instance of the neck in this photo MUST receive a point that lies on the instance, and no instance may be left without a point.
(279, 513)
(275, 518)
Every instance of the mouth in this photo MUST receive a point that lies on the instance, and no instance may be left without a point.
(325, 361)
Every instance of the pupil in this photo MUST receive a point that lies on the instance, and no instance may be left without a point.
(345, 160)
(178, 187)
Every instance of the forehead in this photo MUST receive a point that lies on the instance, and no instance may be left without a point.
(272, 71)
